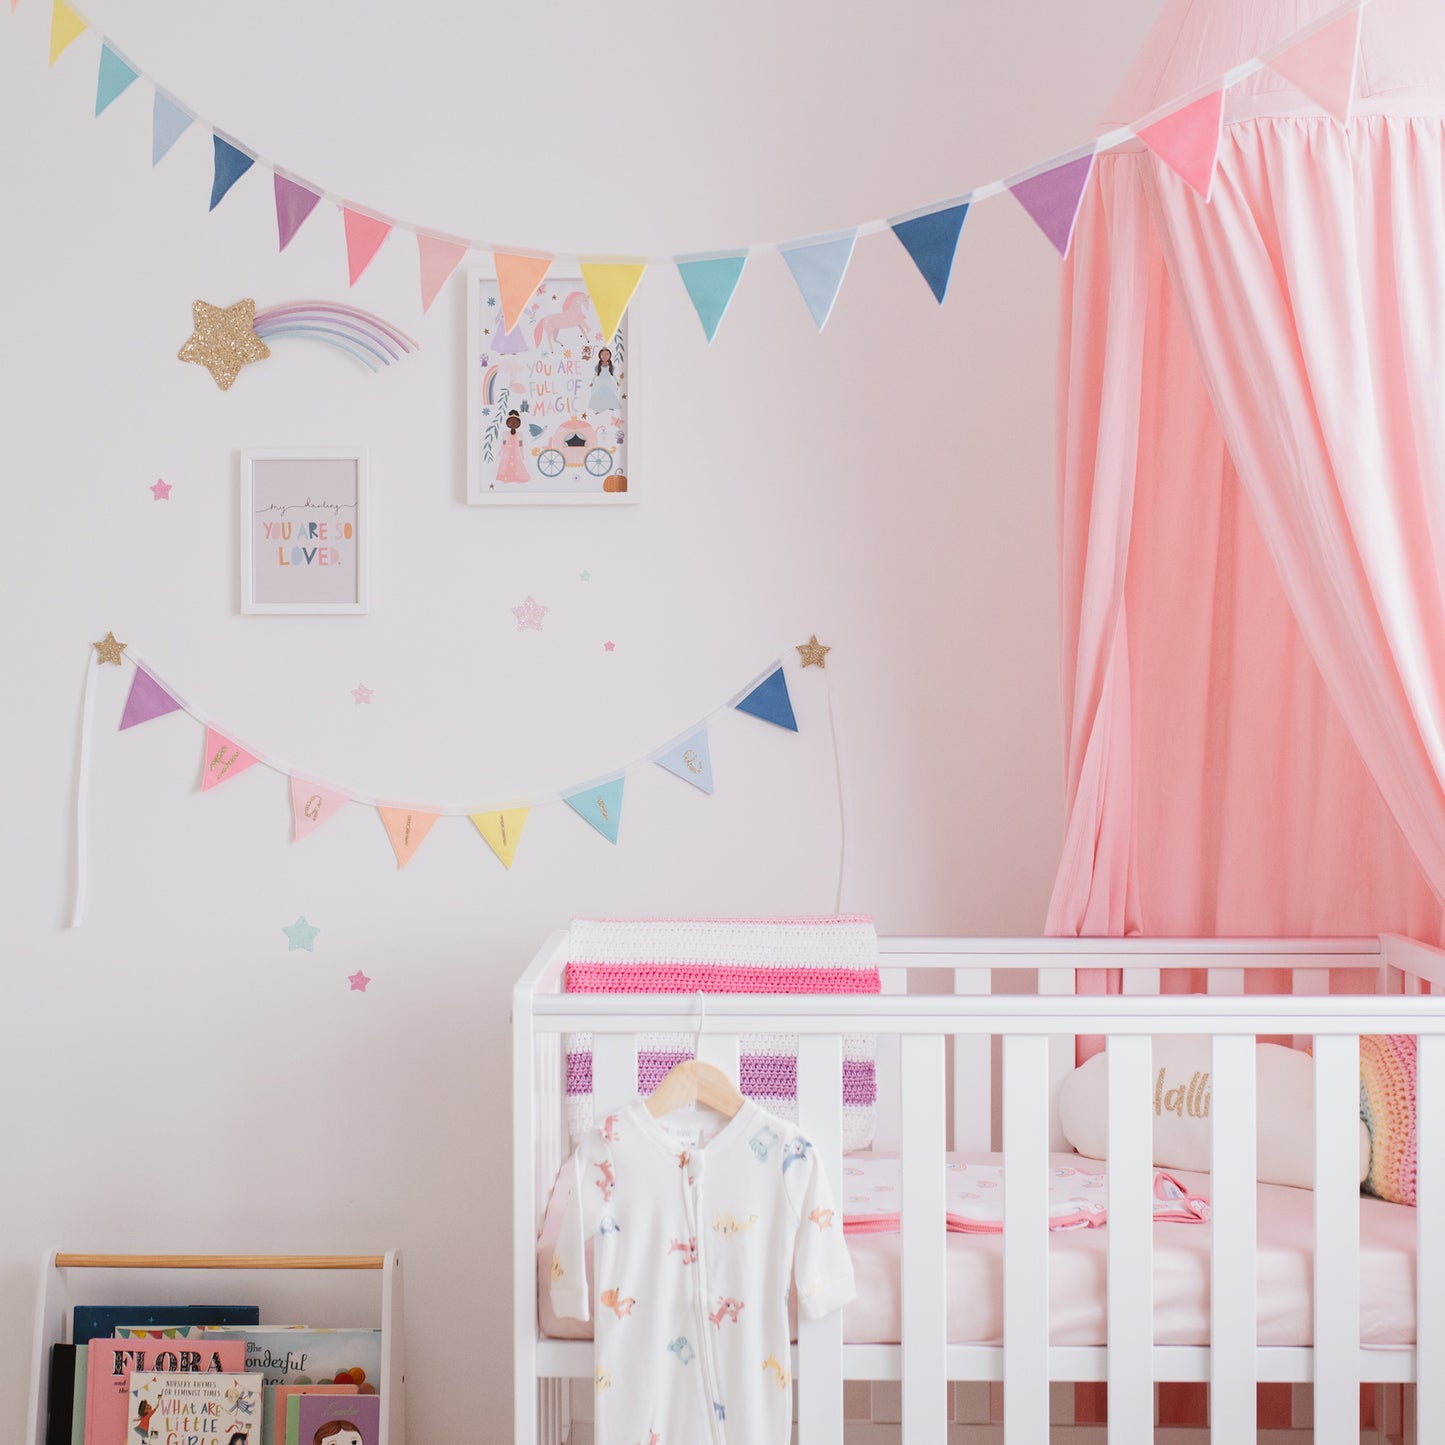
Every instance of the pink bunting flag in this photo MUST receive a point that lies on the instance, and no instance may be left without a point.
(1053, 198)
(406, 828)
(1323, 65)
(364, 235)
(294, 202)
(438, 260)
(223, 760)
(1187, 141)
(312, 804)
(517, 278)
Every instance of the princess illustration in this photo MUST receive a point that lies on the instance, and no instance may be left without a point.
(511, 467)
(604, 386)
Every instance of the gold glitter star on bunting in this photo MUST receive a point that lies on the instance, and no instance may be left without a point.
(109, 649)
(813, 652)
(224, 339)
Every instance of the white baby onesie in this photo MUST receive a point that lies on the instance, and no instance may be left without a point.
(693, 1253)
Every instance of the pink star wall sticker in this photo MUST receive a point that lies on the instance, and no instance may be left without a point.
(160, 490)
(358, 981)
(530, 614)
(361, 693)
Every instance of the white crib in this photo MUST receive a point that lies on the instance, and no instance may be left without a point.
(936, 1020)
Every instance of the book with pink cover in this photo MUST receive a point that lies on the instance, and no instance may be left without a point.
(279, 1394)
(110, 1363)
(194, 1409)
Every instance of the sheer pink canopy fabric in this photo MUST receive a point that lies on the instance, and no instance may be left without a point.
(1253, 504)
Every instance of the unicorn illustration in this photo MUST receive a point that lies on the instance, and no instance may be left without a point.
(783, 1377)
(682, 1349)
(619, 1303)
(573, 314)
(727, 1308)
(795, 1152)
(688, 1251)
(608, 1182)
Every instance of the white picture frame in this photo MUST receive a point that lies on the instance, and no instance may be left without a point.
(594, 456)
(307, 509)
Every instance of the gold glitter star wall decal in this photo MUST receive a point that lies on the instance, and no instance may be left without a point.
(224, 339)
(109, 649)
(813, 652)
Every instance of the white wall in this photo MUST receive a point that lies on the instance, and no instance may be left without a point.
(889, 486)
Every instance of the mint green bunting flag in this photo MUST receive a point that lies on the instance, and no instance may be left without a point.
(711, 283)
(601, 806)
(113, 78)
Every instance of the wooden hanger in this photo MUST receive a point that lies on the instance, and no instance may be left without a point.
(693, 1081)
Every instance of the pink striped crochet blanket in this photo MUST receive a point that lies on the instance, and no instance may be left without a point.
(727, 955)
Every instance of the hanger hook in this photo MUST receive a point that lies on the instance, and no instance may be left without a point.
(701, 1014)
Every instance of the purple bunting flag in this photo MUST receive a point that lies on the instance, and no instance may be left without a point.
(1053, 198)
(147, 700)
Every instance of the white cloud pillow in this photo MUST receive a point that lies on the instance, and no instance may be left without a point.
(1181, 1092)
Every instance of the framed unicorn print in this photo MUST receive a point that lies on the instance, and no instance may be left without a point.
(551, 408)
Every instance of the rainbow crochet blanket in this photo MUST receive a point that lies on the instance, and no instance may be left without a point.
(1387, 1105)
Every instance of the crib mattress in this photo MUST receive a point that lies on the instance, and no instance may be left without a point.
(1077, 1276)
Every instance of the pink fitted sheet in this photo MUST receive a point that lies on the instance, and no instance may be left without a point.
(1077, 1272)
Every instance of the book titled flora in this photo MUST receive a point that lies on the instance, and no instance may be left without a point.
(190, 1409)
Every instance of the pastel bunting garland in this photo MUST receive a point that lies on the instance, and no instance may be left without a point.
(1320, 60)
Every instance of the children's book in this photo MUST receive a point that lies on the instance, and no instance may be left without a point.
(317, 1420)
(111, 1363)
(82, 1380)
(60, 1396)
(98, 1322)
(277, 1396)
(171, 1408)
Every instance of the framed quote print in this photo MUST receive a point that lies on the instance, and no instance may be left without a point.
(305, 532)
(551, 409)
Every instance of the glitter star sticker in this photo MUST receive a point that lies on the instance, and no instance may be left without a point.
(300, 935)
(361, 693)
(530, 614)
(358, 981)
(224, 340)
(109, 649)
(813, 652)
(161, 490)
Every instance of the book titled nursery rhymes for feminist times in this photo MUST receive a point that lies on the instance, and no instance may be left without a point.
(112, 1363)
(176, 1409)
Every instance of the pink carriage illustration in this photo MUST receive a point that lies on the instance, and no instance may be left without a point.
(574, 444)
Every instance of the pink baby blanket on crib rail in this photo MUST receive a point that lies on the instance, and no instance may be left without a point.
(1078, 1198)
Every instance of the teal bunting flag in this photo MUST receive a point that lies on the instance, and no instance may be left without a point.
(818, 268)
(168, 123)
(231, 164)
(711, 283)
(691, 760)
(113, 77)
(932, 241)
(769, 701)
(601, 806)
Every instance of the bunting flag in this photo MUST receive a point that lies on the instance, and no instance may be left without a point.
(818, 267)
(1322, 66)
(439, 259)
(502, 830)
(1187, 141)
(931, 240)
(147, 699)
(710, 284)
(168, 124)
(406, 828)
(65, 25)
(517, 278)
(112, 78)
(223, 761)
(364, 235)
(1053, 198)
(312, 804)
(611, 285)
(601, 806)
(691, 760)
(294, 202)
(231, 164)
(769, 701)
(508, 343)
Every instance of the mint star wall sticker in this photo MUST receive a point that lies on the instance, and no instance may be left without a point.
(300, 935)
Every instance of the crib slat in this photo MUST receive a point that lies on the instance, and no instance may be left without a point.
(614, 1073)
(1140, 981)
(1063, 1050)
(1025, 1240)
(972, 1071)
(820, 1342)
(1337, 1240)
(1131, 1241)
(923, 1261)
(1233, 1310)
(1430, 1244)
(1309, 983)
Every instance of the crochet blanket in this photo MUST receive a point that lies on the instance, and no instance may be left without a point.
(1387, 1105)
(728, 955)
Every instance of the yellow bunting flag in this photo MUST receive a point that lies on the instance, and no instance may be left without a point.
(406, 828)
(503, 831)
(65, 25)
(611, 284)
(517, 278)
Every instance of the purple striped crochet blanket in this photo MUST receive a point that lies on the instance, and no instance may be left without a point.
(727, 955)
